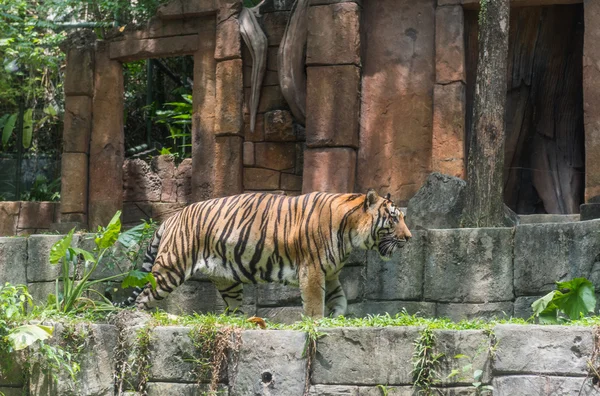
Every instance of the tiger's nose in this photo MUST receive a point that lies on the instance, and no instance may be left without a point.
(408, 236)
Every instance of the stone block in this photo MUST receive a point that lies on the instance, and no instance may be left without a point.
(356, 257)
(175, 389)
(140, 184)
(162, 211)
(258, 135)
(353, 280)
(276, 156)
(36, 214)
(449, 44)
(562, 350)
(448, 155)
(74, 183)
(228, 40)
(547, 253)
(270, 99)
(97, 363)
(589, 211)
(277, 294)
(12, 374)
(271, 77)
(347, 390)
(469, 311)
(523, 306)
(178, 9)
(474, 344)
(162, 47)
(135, 212)
(193, 297)
(291, 182)
(548, 218)
(384, 356)
(274, 24)
(79, 74)
(400, 278)
(366, 308)
(9, 217)
(438, 203)
(164, 166)
(333, 34)
(229, 98)
(261, 179)
(77, 127)
(542, 385)
(228, 166)
(278, 126)
(591, 97)
(329, 170)
(300, 147)
(269, 362)
(285, 315)
(333, 110)
(39, 268)
(249, 154)
(469, 265)
(41, 290)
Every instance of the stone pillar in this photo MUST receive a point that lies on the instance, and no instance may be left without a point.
(218, 96)
(591, 99)
(449, 101)
(107, 149)
(333, 97)
(79, 90)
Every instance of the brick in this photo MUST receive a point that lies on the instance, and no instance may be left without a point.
(448, 155)
(329, 170)
(291, 182)
(274, 24)
(333, 34)
(258, 135)
(229, 98)
(228, 40)
(249, 154)
(333, 110)
(276, 156)
(79, 74)
(36, 214)
(278, 126)
(591, 98)
(270, 99)
(9, 217)
(261, 179)
(77, 127)
(449, 44)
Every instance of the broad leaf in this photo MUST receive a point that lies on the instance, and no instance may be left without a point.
(477, 374)
(9, 126)
(109, 235)
(132, 237)
(137, 278)
(27, 128)
(23, 336)
(541, 304)
(3, 120)
(577, 298)
(60, 248)
(87, 256)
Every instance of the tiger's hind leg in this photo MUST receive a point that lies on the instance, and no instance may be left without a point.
(335, 299)
(166, 281)
(232, 293)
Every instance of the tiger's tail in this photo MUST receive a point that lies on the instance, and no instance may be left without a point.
(149, 259)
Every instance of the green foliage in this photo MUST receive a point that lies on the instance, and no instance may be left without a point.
(41, 190)
(425, 362)
(8, 122)
(476, 375)
(573, 299)
(177, 116)
(74, 292)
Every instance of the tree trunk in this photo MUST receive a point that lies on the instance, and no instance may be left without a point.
(484, 199)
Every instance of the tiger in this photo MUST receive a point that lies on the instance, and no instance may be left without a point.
(260, 237)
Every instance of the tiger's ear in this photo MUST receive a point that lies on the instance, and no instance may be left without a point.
(371, 198)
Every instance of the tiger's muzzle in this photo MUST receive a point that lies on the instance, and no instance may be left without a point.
(389, 243)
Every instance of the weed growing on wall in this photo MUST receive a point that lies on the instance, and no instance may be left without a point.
(425, 362)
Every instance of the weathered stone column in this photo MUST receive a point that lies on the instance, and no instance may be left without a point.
(448, 143)
(79, 90)
(591, 99)
(218, 94)
(333, 97)
(107, 149)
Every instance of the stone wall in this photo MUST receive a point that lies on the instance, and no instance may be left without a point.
(515, 360)
(455, 273)
(27, 217)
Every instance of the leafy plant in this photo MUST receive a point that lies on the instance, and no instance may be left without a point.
(425, 362)
(177, 116)
(73, 297)
(480, 389)
(570, 301)
(41, 190)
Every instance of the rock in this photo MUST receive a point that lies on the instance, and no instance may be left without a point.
(285, 315)
(547, 218)
(193, 297)
(539, 350)
(261, 179)
(77, 124)
(9, 217)
(542, 386)
(470, 265)
(329, 170)
(523, 306)
(175, 389)
(400, 278)
(449, 45)
(276, 156)
(269, 363)
(383, 355)
(140, 184)
(278, 126)
(291, 182)
(589, 211)
(547, 253)
(465, 311)
(474, 344)
(364, 309)
(228, 40)
(438, 203)
(229, 98)
(39, 268)
(448, 141)
(38, 215)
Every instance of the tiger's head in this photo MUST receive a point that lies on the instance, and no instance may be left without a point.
(388, 230)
